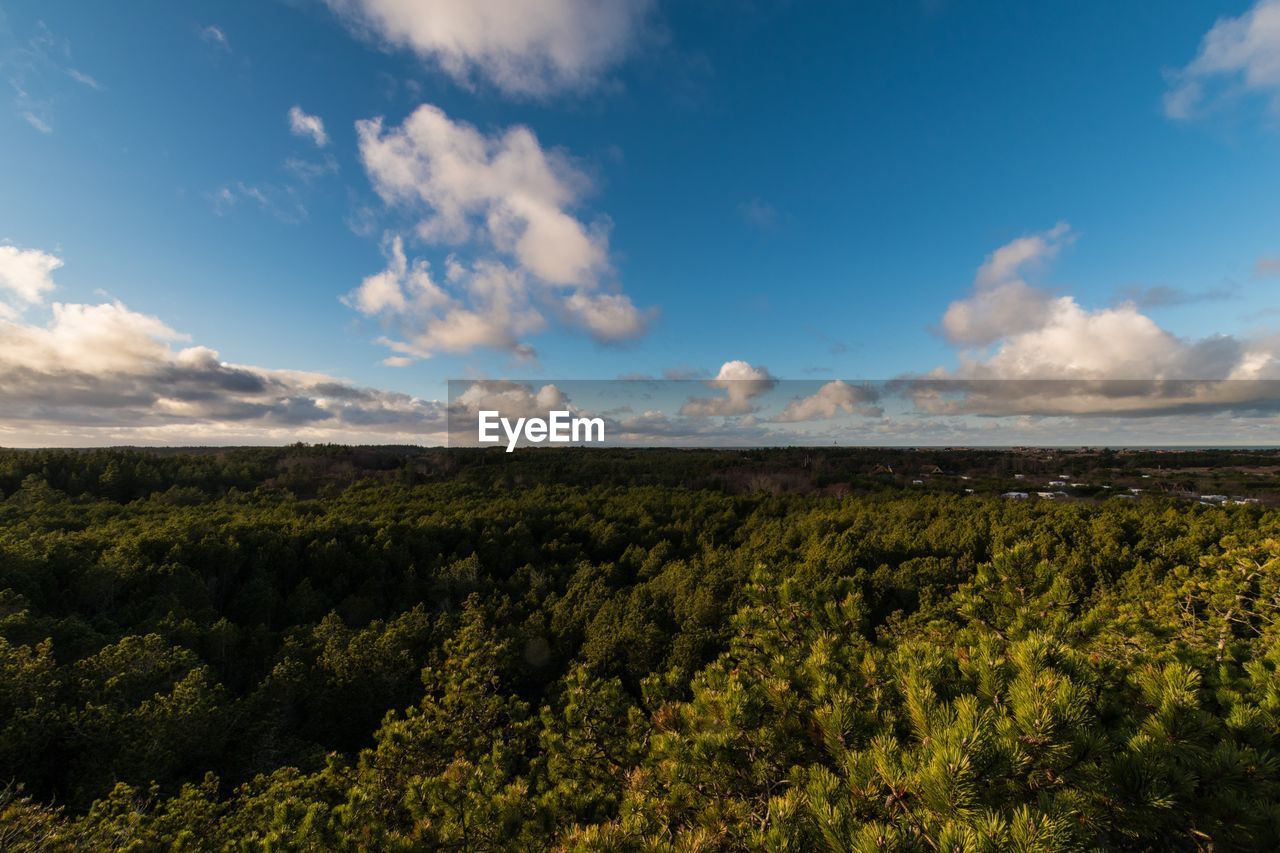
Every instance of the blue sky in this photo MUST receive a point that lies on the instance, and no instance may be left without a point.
(804, 187)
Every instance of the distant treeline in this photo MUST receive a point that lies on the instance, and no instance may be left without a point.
(127, 474)
(334, 648)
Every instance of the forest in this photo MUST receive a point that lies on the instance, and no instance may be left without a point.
(336, 648)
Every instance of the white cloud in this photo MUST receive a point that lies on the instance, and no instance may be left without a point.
(83, 78)
(506, 201)
(1002, 301)
(521, 47)
(485, 305)
(513, 399)
(307, 171)
(215, 36)
(106, 374)
(1243, 52)
(831, 399)
(26, 275)
(37, 122)
(1108, 343)
(95, 340)
(1011, 259)
(1065, 357)
(309, 126)
(386, 291)
(607, 317)
(286, 200)
(281, 201)
(223, 200)
(504, 189)
(741, 382)
(36, 71)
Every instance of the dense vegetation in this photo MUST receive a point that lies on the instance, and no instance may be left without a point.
(357, 649)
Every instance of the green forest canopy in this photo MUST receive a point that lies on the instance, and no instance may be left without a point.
(335, 648)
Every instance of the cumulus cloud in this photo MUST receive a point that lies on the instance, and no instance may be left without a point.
(522, 48)
(508, 202)
(1002, 302)
(95, 373)
(1054, 355)
(1108, 343)
(741, 382)
(513, 399)
(90, 339)
(1241, 53)
(504, 189)
(26, 275)
(392, 289)
(607, 317)
(484, 305)
(307, 126)
(830, 400)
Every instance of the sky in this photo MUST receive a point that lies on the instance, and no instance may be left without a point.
(281, 220)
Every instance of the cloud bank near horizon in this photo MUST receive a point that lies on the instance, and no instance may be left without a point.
(1052, 371)
(105, 374)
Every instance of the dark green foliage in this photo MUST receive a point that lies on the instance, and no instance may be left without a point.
(336, 648)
